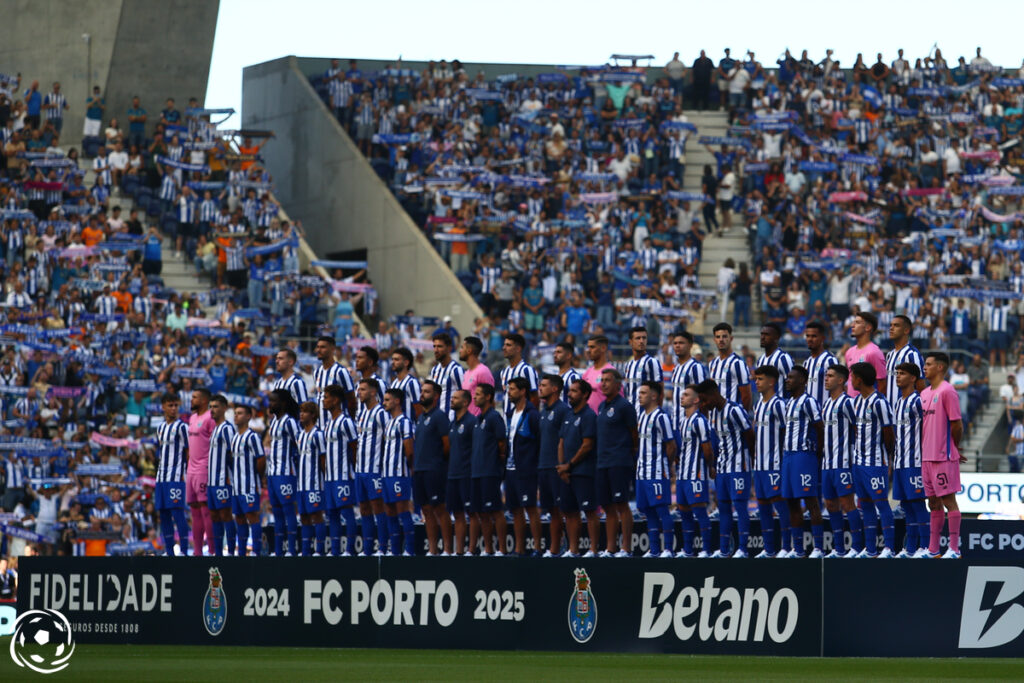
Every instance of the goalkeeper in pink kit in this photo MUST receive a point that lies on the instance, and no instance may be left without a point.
(200, 429)
(941, 431)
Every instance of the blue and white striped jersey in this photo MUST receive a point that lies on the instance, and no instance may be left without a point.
(295, 386)
(730, 373)
(220, 454)
(816, 367)
(520, 369)
(729, 423)
(15, 473)
(781, 361)
(311, 447)
(246, 449)
(873, 413)
(694, 432)
(284, 432)
(325, 377)
(684, 374)
(655, 431)
(381, 387)
(896, 357)
(395, 464)
(636, 372)
(801, 412)
(568, 377)
(769, 422)
(840, 428)
(172, 439)
(411, 386)
(371, 423)
(907, 414)
(340, 432)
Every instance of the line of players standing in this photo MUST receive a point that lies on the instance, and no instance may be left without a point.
(567, 443)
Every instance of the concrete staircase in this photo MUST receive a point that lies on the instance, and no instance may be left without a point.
(986, 423)
(177, 273)
(733, 243)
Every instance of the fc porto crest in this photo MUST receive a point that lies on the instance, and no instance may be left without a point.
(215, 606)
(582, 608)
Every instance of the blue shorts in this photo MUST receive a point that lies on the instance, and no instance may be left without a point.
(578, 494)
(520, 489)
(281, 491)
(799, 475)
(652, 493)
(612, 484)
(486, 494)
(169, 495)
(550, 488)
(836, 483)
(907, 484)
(871, 482)
(243, 504)
(428, 487)
(732, 486)
(459, 495)
(311, 502)
(692, 492)
(997, 341)
(340, 494)
(397, 489)
(768, 484)
(218, 497)
(368, 487)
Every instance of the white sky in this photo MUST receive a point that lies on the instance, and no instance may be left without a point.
(573, 32)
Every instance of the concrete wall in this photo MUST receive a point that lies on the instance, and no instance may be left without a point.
(145, 47)
(323, 180)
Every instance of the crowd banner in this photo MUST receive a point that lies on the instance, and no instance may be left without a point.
(743, 607)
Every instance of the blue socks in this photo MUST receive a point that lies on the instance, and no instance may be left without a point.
(796, 534)
(653, 530)
(256, 532)
(279, 531)
(218, 538)
(307, 540)
(888, 525)
(782, 510)
(181, 522)
(242, 532)
(856, 529)
(743, 523)
(835, 520)
(334, 524)
(293, 529)
(870, 527)
(230, 533)
(382, 531)
(918, 519)
(349, 515)
(725, 526)
(321, 537)
(818, 534)
(668, 527)
(167, 531)
(366, 522)
(701, 514)
(409, 530)
(689, 530)
(764, 511)
(395, 532)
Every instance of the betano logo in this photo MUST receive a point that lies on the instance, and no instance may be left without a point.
(992, 614)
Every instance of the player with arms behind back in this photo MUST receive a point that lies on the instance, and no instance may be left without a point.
(941, 431)
(907, 484)
(696, 472)
(836, 466)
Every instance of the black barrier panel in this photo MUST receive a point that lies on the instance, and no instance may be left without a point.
(1003, 539)
(924, 608)
(688, 606)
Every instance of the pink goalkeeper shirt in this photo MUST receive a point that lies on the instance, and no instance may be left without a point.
(481, 374)
(941, 407)
(869, 354)
(200, 429)
(592, 376)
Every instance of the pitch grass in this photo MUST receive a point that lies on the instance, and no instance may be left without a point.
(298, 665)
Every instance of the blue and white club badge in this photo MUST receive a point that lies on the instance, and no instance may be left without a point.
(582, 608)
(215, 605)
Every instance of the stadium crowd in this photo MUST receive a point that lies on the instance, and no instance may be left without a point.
(560, 201)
